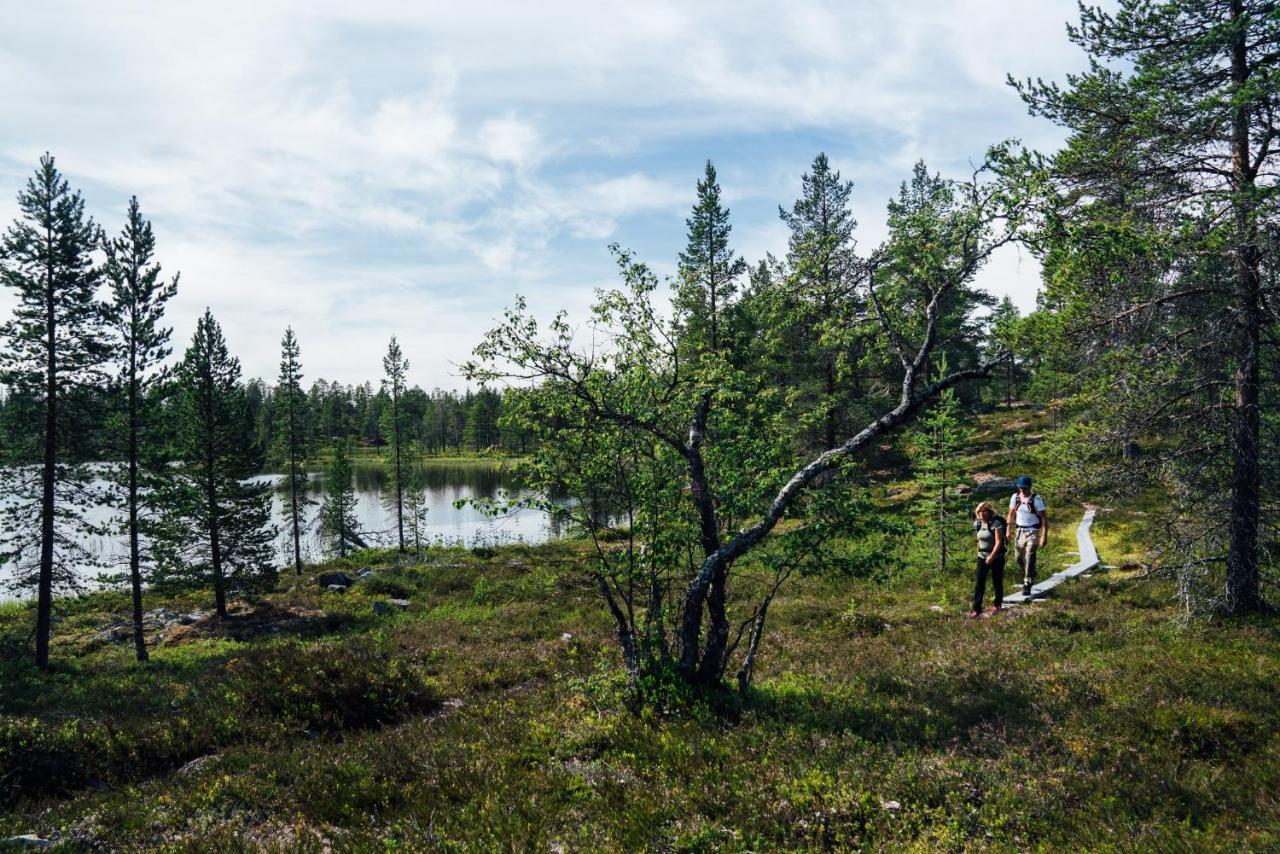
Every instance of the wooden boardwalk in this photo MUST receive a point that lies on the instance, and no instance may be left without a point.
(1088, 561)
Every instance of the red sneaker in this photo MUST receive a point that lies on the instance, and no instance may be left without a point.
(973, 613)
(994, 609)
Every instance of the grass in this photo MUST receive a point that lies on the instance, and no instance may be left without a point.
(488, 715)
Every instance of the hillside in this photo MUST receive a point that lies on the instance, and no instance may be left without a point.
(483, 709)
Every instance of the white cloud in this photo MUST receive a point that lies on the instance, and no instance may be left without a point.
(352, 169)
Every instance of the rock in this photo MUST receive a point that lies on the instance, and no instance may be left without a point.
(399, 603)
(964, 489)
(891, 806)
(990, 484)
(365, 573)
(566, 637)
(195, 766)
(336, 588)
(937, 608)
(329, 580)
(29, 840)
(382, 608)
(162, 616)
(113, 634)
(193, 617)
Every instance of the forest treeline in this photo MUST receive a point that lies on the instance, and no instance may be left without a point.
(442, 421)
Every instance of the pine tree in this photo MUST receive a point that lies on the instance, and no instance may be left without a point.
(55, 345)
(138, 298)
(1163, 234)
(291, 432)
(819, 310)
(338, 521)
(936, 444)
(218, 524)
(396, 365)
(708, 269)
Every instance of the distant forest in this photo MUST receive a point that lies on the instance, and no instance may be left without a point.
(438, 421)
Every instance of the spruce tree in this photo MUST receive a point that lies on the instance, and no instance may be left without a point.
(138, 298)
(708, 269)
(817, 317)
(55, 345)
(396, 366)
(339, 524)
(219, 523)
(291, 437)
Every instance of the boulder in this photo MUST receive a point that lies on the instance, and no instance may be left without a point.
(329, 580)
(114, 634)
(336, 588)
(366, 573)
(28, 840)
(382, 608)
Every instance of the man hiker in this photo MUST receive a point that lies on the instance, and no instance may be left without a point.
(1028, 519)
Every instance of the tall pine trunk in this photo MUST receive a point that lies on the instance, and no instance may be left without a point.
(395, 434)
(44, 592)
(211, 503)
(135, 560)
(293, 484)
(1243, 583)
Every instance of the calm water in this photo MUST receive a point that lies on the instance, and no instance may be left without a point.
(445, 524)
(446, 483)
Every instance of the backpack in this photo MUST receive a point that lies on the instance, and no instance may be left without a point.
(1030, 503)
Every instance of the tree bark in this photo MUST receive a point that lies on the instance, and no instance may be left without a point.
(293, 482)
(135, 556)
(1243, 593)
(211, 501)
(44, 589)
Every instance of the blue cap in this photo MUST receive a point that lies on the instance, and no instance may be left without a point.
(1023, 481)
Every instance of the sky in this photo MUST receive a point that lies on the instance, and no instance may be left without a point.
(362, 170)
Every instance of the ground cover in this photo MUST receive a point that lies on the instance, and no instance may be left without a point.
(484, 709)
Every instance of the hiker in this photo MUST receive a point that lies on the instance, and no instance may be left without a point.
(990, 530)
(1027, 517)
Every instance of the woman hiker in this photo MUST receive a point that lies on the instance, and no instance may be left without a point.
(990, 529)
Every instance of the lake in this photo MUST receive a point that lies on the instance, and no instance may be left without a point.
(448, 481)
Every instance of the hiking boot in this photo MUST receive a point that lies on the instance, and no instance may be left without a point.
(1026, 588)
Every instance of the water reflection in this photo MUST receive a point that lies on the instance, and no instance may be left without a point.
(446, 483)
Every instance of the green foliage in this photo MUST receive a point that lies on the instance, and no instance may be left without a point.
(1158, 232)
(292, 430)
(56, 346)
(337, 519)
(396, 366)
(216, 524)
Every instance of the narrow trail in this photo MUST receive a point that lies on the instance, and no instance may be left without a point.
(1087, 562)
